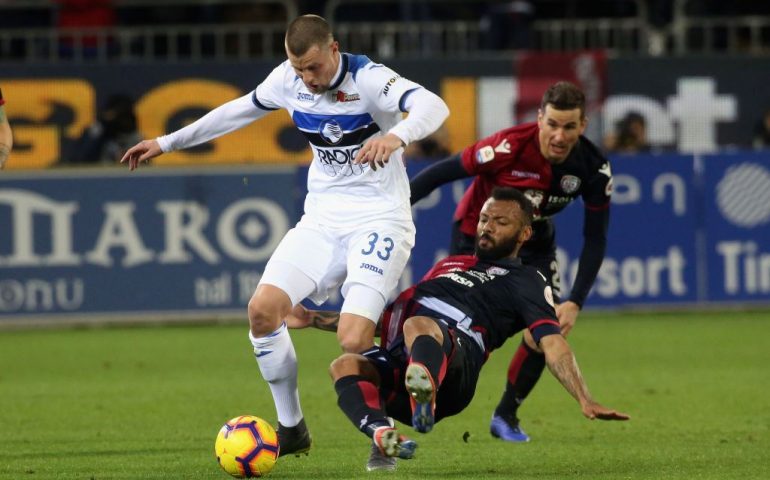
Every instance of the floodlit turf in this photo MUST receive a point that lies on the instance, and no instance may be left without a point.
(136, 403)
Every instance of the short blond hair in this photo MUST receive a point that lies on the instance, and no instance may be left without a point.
(307, 31)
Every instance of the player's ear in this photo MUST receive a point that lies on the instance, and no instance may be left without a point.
(583, 124)
(525, 234)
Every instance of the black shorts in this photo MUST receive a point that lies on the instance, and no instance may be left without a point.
(542, 256)
(464, 362)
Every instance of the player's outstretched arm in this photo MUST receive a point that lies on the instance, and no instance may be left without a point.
(439, 173)
(562, 363)
(141, 152)
(224, 119)
(301, 317)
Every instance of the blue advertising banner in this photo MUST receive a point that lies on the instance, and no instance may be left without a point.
(192, 243)
(683, 230)
(737, 226)
(161, 241)
(651, 255)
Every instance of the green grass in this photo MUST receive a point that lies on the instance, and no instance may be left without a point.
(147, 402)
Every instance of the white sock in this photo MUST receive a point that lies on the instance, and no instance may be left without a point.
(278, 363)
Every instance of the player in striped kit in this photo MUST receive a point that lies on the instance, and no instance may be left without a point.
(357, 230)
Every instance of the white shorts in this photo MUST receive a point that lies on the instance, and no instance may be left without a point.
(373, 254)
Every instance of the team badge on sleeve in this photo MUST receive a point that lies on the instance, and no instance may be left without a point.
(485, 154)
(503, 147)
(570, 183)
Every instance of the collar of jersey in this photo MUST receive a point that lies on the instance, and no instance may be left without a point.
(343, 69)
(507, 261)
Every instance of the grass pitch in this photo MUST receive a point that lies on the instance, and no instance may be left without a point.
(147, 402)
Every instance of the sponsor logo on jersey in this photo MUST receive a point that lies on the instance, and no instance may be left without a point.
(304, 97)
(458, 279)
(485, 154)
(519, 173)
(503, 147)
(340, 96)
(373, 268)
(534, 196)
(497, 271)
(570, 183)
(389, 84)
(558, 200)
(337, 161)
(331, 131)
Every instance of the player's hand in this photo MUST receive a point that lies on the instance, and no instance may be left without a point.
(567, 314)
(299, 317)
(141, 152)
(593, 410)
(377, 151)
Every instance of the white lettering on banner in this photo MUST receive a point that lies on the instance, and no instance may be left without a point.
(627, 189)
(252, 229)
(213, 292)
(746, 269)
(698, 109)
(179, 233)
(41, 295)
(220, 290)
(240, 226)
(247, 284)
(686, 120)
(633, 277)
(678, 191)
(24, 205)
(119, 230)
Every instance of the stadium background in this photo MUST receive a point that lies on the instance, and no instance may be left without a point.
(77, 230)
(83, 242)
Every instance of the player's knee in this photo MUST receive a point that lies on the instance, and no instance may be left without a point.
(347, 364)
(417, 326)
(353, 341)
(265, 315)
(355, 333)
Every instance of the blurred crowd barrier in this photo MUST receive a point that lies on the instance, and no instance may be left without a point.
(694, 104)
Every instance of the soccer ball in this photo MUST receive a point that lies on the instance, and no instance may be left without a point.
(246, 447)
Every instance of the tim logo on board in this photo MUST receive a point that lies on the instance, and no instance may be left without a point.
(738, 226)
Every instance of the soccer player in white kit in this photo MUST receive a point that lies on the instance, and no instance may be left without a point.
(357, 230)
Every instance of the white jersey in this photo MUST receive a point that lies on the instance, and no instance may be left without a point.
(365, 100)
